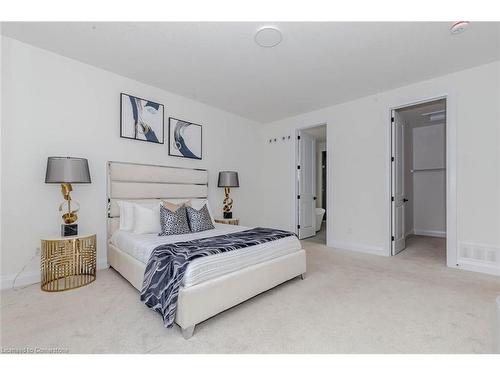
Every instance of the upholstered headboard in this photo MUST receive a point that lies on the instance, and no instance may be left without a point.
(150, 183)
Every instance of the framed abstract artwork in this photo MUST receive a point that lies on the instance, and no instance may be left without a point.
(141, 119)
(185, 139)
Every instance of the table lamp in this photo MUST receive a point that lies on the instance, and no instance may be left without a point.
(67, 171)
(227, 180)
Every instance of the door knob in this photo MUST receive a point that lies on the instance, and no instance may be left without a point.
(405, 200)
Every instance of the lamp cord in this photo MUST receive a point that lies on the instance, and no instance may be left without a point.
(20, 272)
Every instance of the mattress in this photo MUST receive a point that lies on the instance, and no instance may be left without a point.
(140, 247)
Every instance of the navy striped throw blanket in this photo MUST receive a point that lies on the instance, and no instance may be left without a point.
(168, 263)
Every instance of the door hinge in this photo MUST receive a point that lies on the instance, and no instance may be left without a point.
(298, 166)
(392, 119)
(392, 158)
(298, 196)
(392, 199)
(298, 137)
(392, 238)
(298, 226)
(314, 198)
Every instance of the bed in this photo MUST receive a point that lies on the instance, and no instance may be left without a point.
(211, 284)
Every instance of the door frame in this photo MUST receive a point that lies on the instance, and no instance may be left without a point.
(294, 175)
(394, 139)
(451, 172)
(324, 181)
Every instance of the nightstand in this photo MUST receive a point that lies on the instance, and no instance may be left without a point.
(67, 262)
(228, 221)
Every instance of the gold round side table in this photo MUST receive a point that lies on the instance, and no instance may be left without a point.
(228, 221)
(68, 262)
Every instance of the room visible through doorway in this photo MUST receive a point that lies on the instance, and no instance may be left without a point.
(312, 183)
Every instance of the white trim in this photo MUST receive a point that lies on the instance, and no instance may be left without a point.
(374, 250)
(478, 267)
(295, 161)
(27, 278)
(451, 172)
(451, 182)
(33, 277)
(430, 233)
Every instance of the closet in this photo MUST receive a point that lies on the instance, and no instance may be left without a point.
(418, 177)
(426, 171)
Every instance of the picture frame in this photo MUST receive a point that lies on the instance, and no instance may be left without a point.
(141, 119)
(185, 139)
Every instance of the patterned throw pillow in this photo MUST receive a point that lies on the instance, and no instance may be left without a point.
(199, 220)
(175, 222)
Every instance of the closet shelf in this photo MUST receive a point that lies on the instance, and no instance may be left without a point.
(427, 170)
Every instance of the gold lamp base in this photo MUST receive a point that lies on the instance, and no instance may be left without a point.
(228, 204)
(70, 217)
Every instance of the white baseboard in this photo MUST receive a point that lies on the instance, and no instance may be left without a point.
(26, 278)
(478, 267)
(430, 233)
(479, 257)
(358, 247)
(33, 277)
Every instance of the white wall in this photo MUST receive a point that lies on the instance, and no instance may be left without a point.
(57, 106)
(358, 161)
(1, 142)
(429, 187)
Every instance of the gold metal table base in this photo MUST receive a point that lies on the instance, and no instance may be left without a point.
(68, 263)
(228, 221)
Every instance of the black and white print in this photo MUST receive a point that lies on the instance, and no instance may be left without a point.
(141, 119)
(199, 220)
(168, 264)
(173, 222)
(185, 139)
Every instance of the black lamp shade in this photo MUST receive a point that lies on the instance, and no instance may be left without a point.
(67, 170)
(228, 179)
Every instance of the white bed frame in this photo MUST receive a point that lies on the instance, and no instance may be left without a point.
(146, 183)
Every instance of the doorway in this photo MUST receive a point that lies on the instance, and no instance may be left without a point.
(419, 180)
(311, 183)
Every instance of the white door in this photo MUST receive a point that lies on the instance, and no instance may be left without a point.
(306, 197)
(398, 198)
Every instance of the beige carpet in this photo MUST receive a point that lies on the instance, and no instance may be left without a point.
(349, 303)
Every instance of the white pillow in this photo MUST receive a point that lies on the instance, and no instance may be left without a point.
(146, 219)
(126, 215)
(198, 204)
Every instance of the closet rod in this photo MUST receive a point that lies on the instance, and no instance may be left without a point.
(427, 170)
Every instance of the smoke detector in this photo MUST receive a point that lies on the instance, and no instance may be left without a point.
(459, 27)
(268, 36)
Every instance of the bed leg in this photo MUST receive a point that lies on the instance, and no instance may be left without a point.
(187, 333)
(303, 276)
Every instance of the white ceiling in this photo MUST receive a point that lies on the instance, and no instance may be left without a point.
(316, 64)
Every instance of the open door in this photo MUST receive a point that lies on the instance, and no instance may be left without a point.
(306, 198)
(398, 198)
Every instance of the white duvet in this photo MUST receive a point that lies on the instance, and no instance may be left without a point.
(140, 246)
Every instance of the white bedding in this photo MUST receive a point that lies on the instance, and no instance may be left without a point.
(140, 246)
